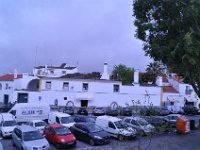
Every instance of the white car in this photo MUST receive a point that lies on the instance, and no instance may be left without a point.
(38, 124)
(7, 124)
(115, 127)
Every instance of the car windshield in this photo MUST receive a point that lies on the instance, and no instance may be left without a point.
(142, 122)
(62, 131)
(119, 124)
(40, 124)
(99, 108)
(94, 128)
(9, 123)
(32, 135)
(65, 120)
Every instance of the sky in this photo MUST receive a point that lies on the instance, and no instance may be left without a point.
(81, 33)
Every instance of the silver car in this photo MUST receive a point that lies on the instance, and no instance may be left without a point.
(28, 138)
(141, 125)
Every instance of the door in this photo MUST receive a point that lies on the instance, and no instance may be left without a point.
(22, 98)
(6, 99)
(84, 103)
(111, 129)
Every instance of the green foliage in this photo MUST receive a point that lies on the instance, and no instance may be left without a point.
(170, 30)
(123, 73)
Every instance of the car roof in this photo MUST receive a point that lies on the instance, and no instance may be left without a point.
(34, 121)
(60, 114)
(56, 125)
(134, 118)
(26, 128)
(109, 118)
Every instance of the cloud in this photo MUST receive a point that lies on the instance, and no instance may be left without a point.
(89, 32)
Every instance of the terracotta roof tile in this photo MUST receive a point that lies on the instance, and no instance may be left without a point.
(169, 89)
(9, 77)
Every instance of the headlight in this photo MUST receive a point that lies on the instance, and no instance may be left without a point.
(63, 140)
(97, 137)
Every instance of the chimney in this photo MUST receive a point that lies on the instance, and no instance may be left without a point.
(15, 74)
(136, 76)
(159, 81)
(105, 75)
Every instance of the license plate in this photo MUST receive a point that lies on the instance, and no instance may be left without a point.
(70, 143)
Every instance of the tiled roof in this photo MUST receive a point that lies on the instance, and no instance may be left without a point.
(9, 77)
(169, 89)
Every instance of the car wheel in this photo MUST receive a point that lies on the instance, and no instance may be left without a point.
(57, 145)
(121, 137)
(13, 143)
(92, 142)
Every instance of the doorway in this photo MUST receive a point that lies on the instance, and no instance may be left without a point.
(6, 99)
(84, 103)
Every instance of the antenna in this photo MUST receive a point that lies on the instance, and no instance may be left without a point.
(36, 49)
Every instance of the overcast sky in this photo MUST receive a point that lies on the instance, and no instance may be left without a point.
(83, 33)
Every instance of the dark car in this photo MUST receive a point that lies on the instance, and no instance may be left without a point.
(190, 110)
(98, 111)
(82, 111)
(112, 112)
(126, 111)
(69, 110)
(59, 135)
(82, 118)
(90, 133)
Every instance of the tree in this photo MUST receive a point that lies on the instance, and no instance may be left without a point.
(170, 30)
(123, 73)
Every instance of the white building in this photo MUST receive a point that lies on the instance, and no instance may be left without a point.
(93, 91)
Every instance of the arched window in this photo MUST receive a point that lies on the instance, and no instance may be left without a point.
(0, 86)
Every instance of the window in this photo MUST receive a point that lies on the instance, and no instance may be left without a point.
(57, 120)
(66, 86)
(85, 86)
(115, 88)
(51, 130)
(18, 133)
(111, 125)
(65, 98)
(48, 85)
(7, 86)
(127, 120)
(188, 90)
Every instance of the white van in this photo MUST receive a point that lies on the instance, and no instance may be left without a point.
(60, 118)
(115, 128)
(25, 112)
(7, 124)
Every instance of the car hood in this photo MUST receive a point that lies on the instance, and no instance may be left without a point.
(69, 124)
(36, 143)
(66, 138)
(129, 131)
(8, 129)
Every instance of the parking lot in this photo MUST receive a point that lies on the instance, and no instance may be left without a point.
(158, 141)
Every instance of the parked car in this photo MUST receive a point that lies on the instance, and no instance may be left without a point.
(69, 110)
(82, 111)
(115, 127)
(90, 133)
(126, 111)
(82, 118)
(7, 124)
(98, 111)
(26, 137)
(190, 109)
(112, 112)
(60, 118)
(38, 124)
(160, 124)
(171, 119)
(164, 111)
(140, 124)
(59, 135)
